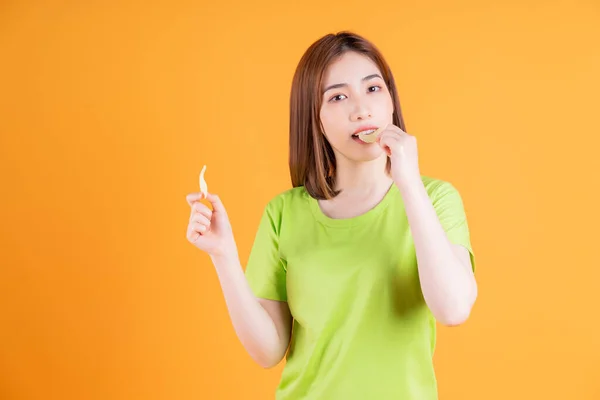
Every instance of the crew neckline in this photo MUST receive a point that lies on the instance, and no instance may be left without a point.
(320, 216)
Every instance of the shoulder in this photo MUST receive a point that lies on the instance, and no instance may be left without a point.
(440, 190)
(292, 201)
(433, 184)
(286, 208)
(288, 198)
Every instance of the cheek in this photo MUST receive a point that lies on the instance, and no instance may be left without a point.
(330, 120)
(389, 105)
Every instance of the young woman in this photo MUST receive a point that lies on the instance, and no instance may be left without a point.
(353, 266)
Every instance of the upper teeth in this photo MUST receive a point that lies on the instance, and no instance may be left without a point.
(367, 132)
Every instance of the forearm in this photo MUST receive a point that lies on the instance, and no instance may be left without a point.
(253, 325)
(448, 286)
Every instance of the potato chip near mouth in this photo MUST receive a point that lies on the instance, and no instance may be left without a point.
(370, 137)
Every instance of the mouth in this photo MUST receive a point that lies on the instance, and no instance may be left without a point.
(364, 131)
(366, 134)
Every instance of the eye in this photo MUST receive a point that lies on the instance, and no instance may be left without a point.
(337, 97)
(376, 88)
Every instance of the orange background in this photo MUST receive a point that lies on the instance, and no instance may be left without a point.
(108, 112)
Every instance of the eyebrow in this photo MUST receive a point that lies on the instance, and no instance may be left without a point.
(339, 85)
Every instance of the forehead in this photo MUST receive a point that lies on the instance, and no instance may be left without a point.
(351, 66)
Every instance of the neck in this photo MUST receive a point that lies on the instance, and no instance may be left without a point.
(361, 178)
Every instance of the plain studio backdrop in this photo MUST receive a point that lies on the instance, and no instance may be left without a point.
(108, 111)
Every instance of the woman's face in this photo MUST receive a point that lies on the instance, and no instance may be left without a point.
(355, 98)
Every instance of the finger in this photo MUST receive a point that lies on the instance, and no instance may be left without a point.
(199, 227)
(192, 235)
(203, 209)
(215, 200)
(400, 131)
(200, 219)
(389, 141)
(193, 197)
(395, 129)
(388, 138)
(200, 209)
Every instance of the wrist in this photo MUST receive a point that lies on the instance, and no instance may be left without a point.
(226, 256)
(409, 183)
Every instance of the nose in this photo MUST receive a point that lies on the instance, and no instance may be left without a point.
(360, 111)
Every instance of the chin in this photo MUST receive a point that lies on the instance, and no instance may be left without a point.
(369, 155)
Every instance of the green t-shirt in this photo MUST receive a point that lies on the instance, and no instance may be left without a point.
(361, 327)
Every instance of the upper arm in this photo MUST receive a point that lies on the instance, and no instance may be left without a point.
(279, 312)
(450, 209)
(266, 273)
(266, 269)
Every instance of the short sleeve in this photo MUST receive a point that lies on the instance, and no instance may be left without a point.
(265, 270)
(449, 207)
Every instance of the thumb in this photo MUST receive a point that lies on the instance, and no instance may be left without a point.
(216, 203)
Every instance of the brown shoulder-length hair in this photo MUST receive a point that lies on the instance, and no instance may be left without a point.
(311, 158)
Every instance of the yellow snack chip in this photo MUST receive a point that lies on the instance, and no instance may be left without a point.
(370, 137)
(203, 185)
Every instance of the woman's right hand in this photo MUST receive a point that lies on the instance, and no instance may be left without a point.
(210, 230)
(263, 326)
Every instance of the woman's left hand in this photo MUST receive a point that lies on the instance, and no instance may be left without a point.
(402, 150)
